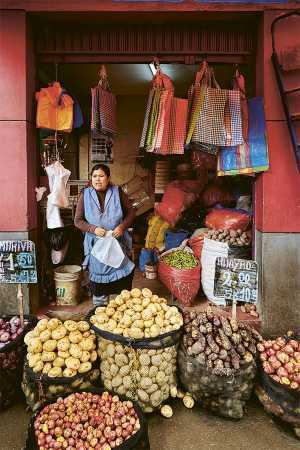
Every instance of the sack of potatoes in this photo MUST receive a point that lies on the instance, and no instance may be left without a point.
(59, 354)
(137, 345)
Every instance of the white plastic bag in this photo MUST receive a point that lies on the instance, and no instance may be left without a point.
(211, 250)
(108, 251)
(58, 177)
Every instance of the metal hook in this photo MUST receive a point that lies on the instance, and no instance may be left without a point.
(102, 72)
(156, 63)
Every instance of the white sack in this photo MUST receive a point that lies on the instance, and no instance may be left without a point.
(211, 250)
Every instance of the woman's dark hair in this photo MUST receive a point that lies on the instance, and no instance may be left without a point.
(103, 167)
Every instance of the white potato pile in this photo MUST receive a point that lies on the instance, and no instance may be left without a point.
(61, 349)
(138, 314)
(144, 375)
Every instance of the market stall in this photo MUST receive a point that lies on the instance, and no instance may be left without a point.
(186, 163)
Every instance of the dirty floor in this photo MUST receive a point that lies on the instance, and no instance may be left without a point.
(187, 429)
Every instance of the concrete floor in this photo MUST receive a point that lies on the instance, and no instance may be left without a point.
(186, 430)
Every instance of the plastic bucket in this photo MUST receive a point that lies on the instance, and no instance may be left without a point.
(67, 284)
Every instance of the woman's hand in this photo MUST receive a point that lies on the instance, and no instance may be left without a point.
(101, 232)
(118, 231)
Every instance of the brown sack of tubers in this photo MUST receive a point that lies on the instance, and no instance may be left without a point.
(232, 237)
(217, 362)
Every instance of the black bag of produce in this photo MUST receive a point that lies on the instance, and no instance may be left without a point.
(11, 363)
(216, 361)
(278, 384)
(138, 441)
(274, 408)
(39, 388)
(223, 395)
(277, 398)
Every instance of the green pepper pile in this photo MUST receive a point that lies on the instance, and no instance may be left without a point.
(180, 259)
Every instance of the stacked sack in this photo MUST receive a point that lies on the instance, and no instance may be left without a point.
(137, 340)
(217, 362)
(61, 357)
(278, 388)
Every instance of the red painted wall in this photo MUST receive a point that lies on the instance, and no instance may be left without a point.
(278, 190)
(18, 153)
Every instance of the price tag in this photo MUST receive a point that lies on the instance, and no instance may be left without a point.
(236, 279)
(17, 262)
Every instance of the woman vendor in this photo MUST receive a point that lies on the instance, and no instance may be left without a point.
(103, 207)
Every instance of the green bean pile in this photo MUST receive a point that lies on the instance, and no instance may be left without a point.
(180, 259)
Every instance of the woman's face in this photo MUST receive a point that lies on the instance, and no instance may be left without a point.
(100, 180)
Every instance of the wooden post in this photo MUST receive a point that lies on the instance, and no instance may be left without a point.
(20, 298)
(233, 312)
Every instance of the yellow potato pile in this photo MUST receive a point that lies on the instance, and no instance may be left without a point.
(61, 349)
(137, 314)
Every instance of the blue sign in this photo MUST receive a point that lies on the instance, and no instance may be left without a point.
(17, 262)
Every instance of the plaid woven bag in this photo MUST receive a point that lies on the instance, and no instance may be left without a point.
(104, 107)
(163, 123)
(175, 132)
(157, 113)
(146, 119)
(152, 124)
(108, 111)
(216, 113)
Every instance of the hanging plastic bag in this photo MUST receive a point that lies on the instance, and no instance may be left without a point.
(107, 250)
(58, 198)
(54, 109)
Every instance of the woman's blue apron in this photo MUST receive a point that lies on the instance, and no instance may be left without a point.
(109, 219)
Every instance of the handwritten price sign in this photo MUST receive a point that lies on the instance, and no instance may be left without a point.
(17, 262)
(236, 279)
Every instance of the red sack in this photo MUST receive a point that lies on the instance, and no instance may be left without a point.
(184, 284)
(228, 219)
(196, 244)
(174, 201)
(214, 194)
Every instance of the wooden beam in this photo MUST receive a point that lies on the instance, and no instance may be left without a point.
(142, 59)
(125, 6)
